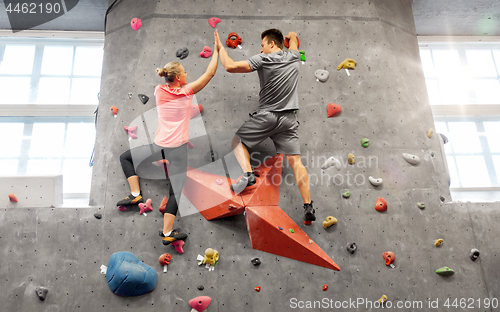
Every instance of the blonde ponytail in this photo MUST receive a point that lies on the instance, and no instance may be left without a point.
(170, 71)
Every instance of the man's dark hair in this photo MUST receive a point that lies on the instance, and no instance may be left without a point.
(273, 35)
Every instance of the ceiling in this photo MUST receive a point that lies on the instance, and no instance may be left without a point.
(432, 17)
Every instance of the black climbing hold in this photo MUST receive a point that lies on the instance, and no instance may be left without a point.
(97, 215)
(445, 139)
(201, 287)
(442, 198)
(474, 254)
(41, 292)
(182, 53)
(351, 247)
(256, 261)
(144, 98)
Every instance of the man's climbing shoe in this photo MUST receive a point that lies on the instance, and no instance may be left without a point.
(130, 200)
(172, 237)
(248, 179)
(309, 212)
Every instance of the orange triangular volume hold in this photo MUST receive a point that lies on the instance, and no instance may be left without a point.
(211, 194)
(270, 230)
(266, 192)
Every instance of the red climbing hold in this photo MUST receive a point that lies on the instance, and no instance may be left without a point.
(214, 21)
(163, 204)
(200, 303)
(307, 222)
(165, 259)
(114, 110)
(12, 198)
(233, 43)
(389, 257)
(178, 245)
(135, 23)
(122, 208)
(146, 207)
(207, 52)
(333, 110)
(131, 131)
(287, 43)
(257, 289)
(381, 205)
(196, 110)
(325, 287)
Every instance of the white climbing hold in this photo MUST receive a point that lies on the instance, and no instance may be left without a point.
(321, 75)
(375, 182)
(104, 269)
(332, 161)
(412, 159)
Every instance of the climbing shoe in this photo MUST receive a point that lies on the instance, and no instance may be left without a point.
(248, 179)
(309, 212)
(173, 236)
(130, 200)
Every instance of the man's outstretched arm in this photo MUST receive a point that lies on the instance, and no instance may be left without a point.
(230, 65)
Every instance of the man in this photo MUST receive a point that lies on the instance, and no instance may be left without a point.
(278, 73)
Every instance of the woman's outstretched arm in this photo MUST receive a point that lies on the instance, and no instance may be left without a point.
(201, 82)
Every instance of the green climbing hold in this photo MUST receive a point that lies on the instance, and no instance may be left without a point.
(346, 194)
(445, 271)
(421, 205)
(292, 231)
(365, 142)
(302, 55)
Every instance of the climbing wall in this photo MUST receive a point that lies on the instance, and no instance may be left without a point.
(384, 99)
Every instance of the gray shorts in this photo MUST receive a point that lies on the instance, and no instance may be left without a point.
(281, 127)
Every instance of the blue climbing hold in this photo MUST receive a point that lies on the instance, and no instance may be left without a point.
(128, 276)
(280, 228)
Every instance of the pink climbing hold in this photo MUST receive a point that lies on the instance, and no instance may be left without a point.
(146, 207)
(131, 131)
(196, 109)
(207, 52)
(122, 208)
(178, 245)
(214, 21)
(219, 181)
(136, 23)
(200, 303)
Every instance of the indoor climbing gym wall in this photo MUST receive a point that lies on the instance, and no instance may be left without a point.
(387, 234)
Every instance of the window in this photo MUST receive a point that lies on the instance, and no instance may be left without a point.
(57, 81)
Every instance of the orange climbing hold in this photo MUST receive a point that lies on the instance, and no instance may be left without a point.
(325, 287)
(12, 198)
(333, 110)
(165, 259)
(163, 204)
(233, 43)
(381, 205)
(389, 257)
(257, 289)
(114, 110)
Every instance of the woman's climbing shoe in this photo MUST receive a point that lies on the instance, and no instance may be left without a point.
(130, 200)
(173, 236)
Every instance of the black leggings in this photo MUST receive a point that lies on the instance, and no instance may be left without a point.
(177, 158)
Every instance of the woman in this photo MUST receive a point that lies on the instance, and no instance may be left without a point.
(174, 103)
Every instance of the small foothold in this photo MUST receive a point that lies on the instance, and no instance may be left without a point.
(412, 159)
(182, 53)
(389, 257)
(136, 23)
(163, 205)
(351, 158)
(321, 75)
(365, 142)
(122, 208)
(145, 207)
(195, 111)
(429, 133)
(442, 198)
(381, 205)
(114, 110)
(207, 52)
(332, 161)
(233, 43)
(165, 259)
(302, 55)
(382, 299)
(432, 154)
(421, 205)
(178, 245)
(445, 271)
(256, 261)
(325, 287)
(41, 292)
(375, 182)
(351, 247)
(257, 289)
(292, 231)
(438, 242)
(329, 222)
(474, 254)
(287, 43)
(144, 98)
(97, 215)
(347, 64)
(218, 181)
(280, 228)
(131, 131)
(445, 139)
(346, 194)
(214, 21)
(130, 95)
(12, 198)
(200, 288)
(333, 110)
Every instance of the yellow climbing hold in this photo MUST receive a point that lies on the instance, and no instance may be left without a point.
(382, 299)
(329, 222)
(438, 242)
(347, 64)
(429, 133)
(351, 158)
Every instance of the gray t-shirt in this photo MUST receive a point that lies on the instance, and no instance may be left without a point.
(278, 74)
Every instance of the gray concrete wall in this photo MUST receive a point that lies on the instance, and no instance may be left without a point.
(384, 100)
